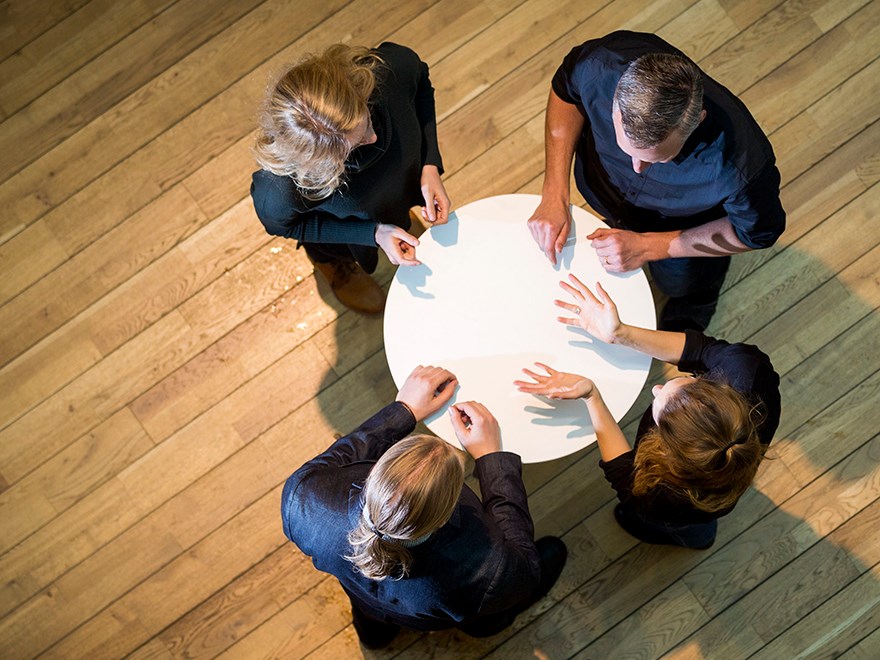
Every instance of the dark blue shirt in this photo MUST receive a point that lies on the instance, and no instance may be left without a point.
(726, 167)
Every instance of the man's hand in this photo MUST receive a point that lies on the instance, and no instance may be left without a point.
(620, 250)
(596, 315)
(398, 245)
(476, 429)
(426, 390)
(437, 204)
(550, 225)
(556, 384)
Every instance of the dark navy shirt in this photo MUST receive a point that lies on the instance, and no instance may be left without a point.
(726, 167)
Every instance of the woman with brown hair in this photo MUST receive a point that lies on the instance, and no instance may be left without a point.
(347, 145)
(698, 446)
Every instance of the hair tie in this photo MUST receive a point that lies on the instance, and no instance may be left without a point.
(731, 444)
(372, 527)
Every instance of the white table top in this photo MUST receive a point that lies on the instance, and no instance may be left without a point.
(481, 305)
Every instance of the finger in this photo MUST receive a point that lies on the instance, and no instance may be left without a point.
(548, 369)
(604, 295)
(568, 321)
(598, 234)
(570, 307)
(538, 377)
(457, 422)
(585, 292)
(429, 206)
(446, 392)
(562, 238)
(574, 293)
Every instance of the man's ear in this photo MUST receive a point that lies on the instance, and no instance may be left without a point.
(702, 115)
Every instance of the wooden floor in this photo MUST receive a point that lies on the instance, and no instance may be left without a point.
(166, 364)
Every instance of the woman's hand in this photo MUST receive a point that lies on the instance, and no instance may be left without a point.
(598, 316)
(426, 390)
(556, 384)
(437, 204)
(476, 428)
(398, 245)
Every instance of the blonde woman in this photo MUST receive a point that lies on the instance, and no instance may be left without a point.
(347, 145)
(698, 445)
(390, 517)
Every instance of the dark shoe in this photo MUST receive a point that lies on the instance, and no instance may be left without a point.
(552, 553)
(371, 633)
(352, 286)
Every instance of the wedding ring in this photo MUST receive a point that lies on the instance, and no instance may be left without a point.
(606, 261)
(577, 310)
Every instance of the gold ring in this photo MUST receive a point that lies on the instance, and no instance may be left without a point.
(606, 261)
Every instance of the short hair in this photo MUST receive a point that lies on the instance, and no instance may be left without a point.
(705, 446)
(412, 491)
(307, 113)
(658, 94)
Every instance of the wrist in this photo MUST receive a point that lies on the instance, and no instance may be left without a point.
(661, 244)
(409, 409)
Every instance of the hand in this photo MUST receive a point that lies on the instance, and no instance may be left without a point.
(550, 224)
(598, 316)
(476, 429)
(437, 204)
(398, 245)
(620, 251)
(426, 390)
(556, 384)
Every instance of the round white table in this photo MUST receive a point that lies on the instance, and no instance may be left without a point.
(481, 305)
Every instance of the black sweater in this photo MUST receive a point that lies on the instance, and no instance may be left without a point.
(743, 367)
(383, 179)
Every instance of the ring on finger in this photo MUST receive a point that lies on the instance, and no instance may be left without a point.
(577, 310)
(606, 261)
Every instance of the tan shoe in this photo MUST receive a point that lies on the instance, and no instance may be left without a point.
(352, 286)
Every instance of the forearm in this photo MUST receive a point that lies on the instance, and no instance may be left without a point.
(330, 229)
(563, 127)
(427, 116)
(713, 239)
(659, 344)
(612, 442)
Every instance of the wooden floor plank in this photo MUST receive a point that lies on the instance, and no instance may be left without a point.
(166, 364)
(67, 46)
(21, 22)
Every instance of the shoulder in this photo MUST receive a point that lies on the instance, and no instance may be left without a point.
(275, 196)
(399, 59)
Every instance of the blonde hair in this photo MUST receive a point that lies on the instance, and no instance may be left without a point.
(705, 447)
(410, 492)
(657, 94)
(307, 114)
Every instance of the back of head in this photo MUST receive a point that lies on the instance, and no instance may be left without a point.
(410, 493)
(658, 94)
(705, 447)
(307, 114)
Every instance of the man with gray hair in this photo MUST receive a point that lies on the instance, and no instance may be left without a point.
(672, 160)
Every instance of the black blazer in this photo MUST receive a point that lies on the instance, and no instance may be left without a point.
(482, 562)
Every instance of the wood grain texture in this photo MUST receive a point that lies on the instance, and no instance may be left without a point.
(165, 365)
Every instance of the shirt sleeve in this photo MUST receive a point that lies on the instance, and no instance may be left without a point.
(756, 211)
(566, 81)
(275, 202)
(619, 473)
(426, 112)
(744, 367)
(505, 502)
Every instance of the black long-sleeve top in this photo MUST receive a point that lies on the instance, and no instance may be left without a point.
(483, 561)
(382, 179)
(742, 366)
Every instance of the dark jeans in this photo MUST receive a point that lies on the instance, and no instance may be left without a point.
(697, 536)
(693, 285)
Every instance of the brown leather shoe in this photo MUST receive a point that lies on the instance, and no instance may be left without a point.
(352, 286)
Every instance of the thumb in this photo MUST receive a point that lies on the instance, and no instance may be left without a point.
(406, 237)
(562, 238)
(457, 423)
